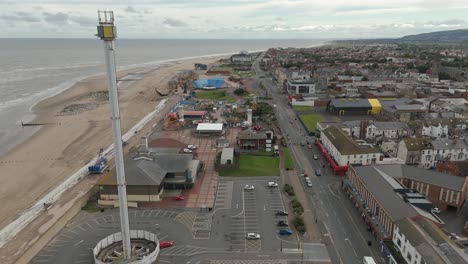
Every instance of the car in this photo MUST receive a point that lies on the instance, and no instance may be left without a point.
(166, 244)
(306, 178)
(309, 146)
(282, 213)
(282, 223)
(318, 173)
(435, 210)
(309, 184)
(252, 236)
(285, 232)
(303, 143)
(249, 187)
(304, 174)
(191, 147)
(315, 157)
(272, 184)
(186, 150)
(179, 198)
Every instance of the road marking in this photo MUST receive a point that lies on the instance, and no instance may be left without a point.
(332, 192)
(79, 243)
(347, 239)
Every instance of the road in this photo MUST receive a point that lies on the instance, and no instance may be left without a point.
(343, 230)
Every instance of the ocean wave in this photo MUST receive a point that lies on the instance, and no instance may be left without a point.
(27, 70)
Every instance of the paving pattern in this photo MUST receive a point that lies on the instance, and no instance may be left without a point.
(260, 261)
(81, 237)
(201, 228)
(224, 195)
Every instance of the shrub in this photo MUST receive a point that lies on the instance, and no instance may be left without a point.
(239, 91)
(298, 223)
(288, 189)
(297, 207)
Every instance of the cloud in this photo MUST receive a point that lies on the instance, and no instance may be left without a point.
(58, 19)
(174, 22)
(20, 16)
(130, 9)
(84, 21)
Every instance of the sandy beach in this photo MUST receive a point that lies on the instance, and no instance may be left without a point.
(78, 126)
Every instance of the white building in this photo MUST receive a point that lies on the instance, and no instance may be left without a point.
(417, 246)
(301, 86)
(386, 129)
(435, 130)
(227, 156)
(449, 149)
(347, 151)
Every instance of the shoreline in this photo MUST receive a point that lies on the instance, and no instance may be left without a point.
(54, 152)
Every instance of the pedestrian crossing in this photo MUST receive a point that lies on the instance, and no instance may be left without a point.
(201, 228)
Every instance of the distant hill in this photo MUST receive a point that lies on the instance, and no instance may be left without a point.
(450, 36)
(459, 35)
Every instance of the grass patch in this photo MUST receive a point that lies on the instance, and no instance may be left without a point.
(215, 95)
(303, 108)
(91, 206)
(254, 166)
(311, 121)
(289, 162)
(245, 74)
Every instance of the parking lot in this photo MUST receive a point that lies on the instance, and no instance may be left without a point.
(252, 211)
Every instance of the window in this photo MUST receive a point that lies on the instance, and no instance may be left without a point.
(398, 242)
(409, 256)
(423, 152)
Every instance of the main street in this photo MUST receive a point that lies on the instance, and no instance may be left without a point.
(342, 229)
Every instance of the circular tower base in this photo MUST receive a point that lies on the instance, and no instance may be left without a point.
(145, 249)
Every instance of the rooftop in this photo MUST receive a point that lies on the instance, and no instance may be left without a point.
(390, 125)
(429, 176)
(250, 134)
(346, 145)
(383, 191)
(450, 143)
(416, 144)
(210, 127)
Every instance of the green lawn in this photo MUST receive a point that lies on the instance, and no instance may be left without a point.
(311, 121)
(289, 162)
(219, 95)
(303, 108)
(255, 166)
(245, 74)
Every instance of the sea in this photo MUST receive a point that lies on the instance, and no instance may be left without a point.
(34, 69)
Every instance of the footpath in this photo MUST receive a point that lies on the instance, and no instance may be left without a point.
(313, 234)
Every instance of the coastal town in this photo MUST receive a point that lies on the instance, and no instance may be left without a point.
(341, 153)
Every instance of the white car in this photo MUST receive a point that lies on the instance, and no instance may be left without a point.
(249, 187)
(253, 236)
(309, 183)
(191, 147)
(306, 179)
(186, 150)
(435, 210)
(272, 184)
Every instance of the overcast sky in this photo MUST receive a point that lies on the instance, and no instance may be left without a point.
(233, 18)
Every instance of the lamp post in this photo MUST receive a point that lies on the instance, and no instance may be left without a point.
(107, 32)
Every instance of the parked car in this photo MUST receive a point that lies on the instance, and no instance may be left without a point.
(318, 173)
(304, 174)
(282, 223)
(272, 184)
(282, 213)
(179, 198)
(309, 146)
(249, 187)
(303, 143)
(285, 232)
(253, 236)
(186, 150)
(435, 210)
(306, 178)
(309, 184)
(315, 157)
(166, 244)
(191, 147)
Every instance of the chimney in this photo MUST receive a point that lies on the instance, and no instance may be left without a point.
(181, 113)
(249, 116)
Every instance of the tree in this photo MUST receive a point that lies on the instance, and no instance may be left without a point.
(239, 91)
(444, 76)
(375, 66)
(365, 79)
